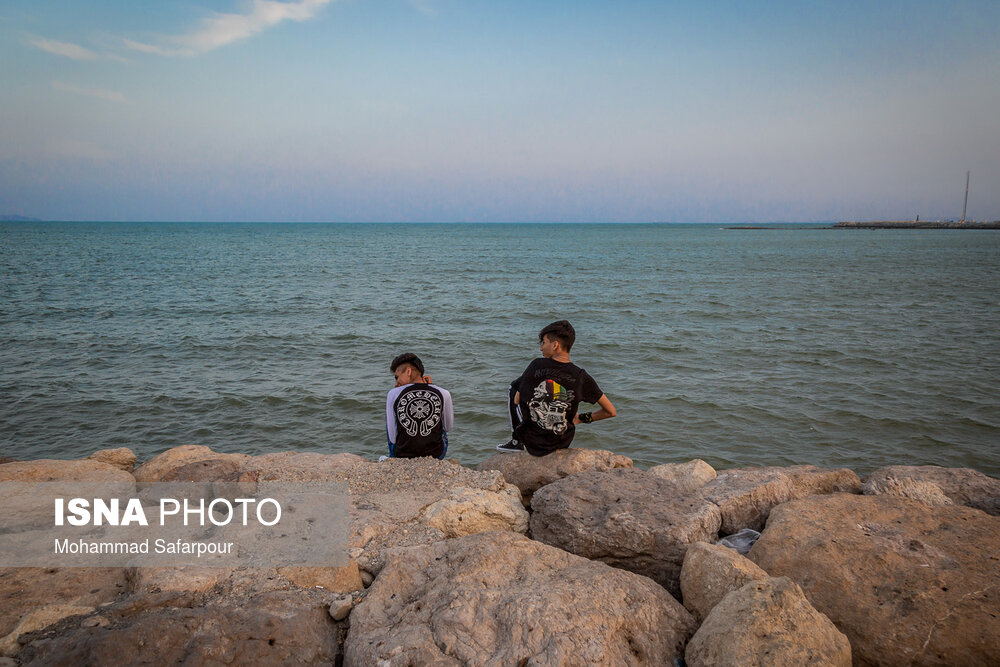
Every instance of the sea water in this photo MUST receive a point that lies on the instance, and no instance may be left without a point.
(799, 344)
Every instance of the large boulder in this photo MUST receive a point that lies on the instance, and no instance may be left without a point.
(926, 492)
(53, 470)
(401, 502)
(808, 480)
(530, 473)
(469, 511)
(160, 467)
(745, 496)
(275, 628)
(498, 598)
(122, 457)
(710, 572)
(688, 476)
(964, 486)
(626, 518)
(767, 623)
(907, 583)
(35, 597)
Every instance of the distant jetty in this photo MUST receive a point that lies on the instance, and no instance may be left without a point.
(918, 224)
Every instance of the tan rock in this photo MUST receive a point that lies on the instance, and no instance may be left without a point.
(530, 473)
(341, 607)
(745, 496)
(498, 598)
(469, 511)
(157, 468)
(767, 623)
(626, 518)
(27, 590)
(710, 572)
(400, 502)
(36, 620)
(336, 579)
(812, 480)
(276, 628)
(689, 476)
(964, 486)
(123, 458)
(51, 470)
(907, 487)
(907, 583)
(147, 580)
(208, 470)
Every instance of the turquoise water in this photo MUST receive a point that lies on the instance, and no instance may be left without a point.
(742, 347)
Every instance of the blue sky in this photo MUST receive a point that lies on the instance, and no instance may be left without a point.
(461, 110)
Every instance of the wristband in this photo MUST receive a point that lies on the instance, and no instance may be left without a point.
(586, 417)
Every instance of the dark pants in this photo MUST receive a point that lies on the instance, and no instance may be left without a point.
(514, 410)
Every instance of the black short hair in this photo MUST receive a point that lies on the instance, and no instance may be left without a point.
(562, 331)
(407, 358)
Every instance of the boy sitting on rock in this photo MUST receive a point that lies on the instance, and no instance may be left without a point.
(543, 402)
(418, 414)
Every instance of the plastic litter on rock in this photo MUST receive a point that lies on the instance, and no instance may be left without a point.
(741, 541)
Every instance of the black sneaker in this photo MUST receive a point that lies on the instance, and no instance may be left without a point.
(511, 445)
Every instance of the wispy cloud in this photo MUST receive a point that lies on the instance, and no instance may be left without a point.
(71, 50)
(222, 29)
(67, 49)
(99, 93)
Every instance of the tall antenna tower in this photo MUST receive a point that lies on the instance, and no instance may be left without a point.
(966, 203)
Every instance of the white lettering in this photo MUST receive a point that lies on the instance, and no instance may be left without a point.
(134, 513)
(163, 509)
(277, 511)
(199, 512)
(79, 508)
(229, 512)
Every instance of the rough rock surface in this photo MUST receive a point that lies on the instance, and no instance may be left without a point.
(689, 476)
(281, 627)
(768, 623)
(401, 502)
(745, 496)
(530, 473)
(964, 486)
(710, 572)
(34, 597)
(498, 598)
(161, 465)
(123, 458)
(812, 480)
(207, 470)
(907, 583)
(926, 492)
(469, 511)
(52, 470)
(626, 518)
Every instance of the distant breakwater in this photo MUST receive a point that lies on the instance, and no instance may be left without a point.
(917, 224)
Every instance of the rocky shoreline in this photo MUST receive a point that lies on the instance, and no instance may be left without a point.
(574, 558)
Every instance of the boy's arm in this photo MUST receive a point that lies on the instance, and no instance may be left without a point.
(448, 417)
(390, 418)
(606, 411)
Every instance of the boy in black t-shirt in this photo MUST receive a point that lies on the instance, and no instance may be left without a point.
(543, 402)
(418, 414)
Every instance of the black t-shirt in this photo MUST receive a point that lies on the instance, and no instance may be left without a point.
(420, 412)
(551, 392)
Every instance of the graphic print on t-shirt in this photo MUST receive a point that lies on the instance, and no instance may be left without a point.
(549, 406)
(419, 411)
